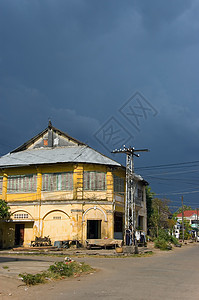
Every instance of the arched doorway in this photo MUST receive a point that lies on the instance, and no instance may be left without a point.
(56, 225)
(95, 223)
(23, 227)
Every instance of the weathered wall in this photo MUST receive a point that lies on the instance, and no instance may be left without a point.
(62, 214)
(7, 234)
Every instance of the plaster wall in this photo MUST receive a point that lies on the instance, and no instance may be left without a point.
(63, 215)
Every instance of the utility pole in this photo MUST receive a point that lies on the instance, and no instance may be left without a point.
(197, 227)
(130, 188)
(182, 221)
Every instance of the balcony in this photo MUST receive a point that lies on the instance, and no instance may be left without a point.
(139, 202)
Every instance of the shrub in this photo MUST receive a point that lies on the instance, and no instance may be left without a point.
(163, 235)
(31, 279)
(63, 269)
(186, 235)
(162, 244)
(84, 267)
(173, 240)
(56, 271)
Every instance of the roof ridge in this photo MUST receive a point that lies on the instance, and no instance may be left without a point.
(33, 139)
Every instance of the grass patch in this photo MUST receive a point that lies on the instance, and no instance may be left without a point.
(116, 256)
(146, 254)
(31, 279)
(5, 267)
(58, 270)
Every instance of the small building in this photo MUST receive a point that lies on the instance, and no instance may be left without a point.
(59, 187)
(190, 215)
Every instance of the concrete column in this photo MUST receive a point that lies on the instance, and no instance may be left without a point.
(78, 182)
(109, 184)
(4, 187)
(38, 223)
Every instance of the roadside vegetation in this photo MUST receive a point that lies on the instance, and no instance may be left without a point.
(164, 241)
(4, 215)
(160, 222)
(4, 210)
(58, 270)
(187, 226)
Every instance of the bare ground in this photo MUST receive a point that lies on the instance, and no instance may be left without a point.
(111, 279)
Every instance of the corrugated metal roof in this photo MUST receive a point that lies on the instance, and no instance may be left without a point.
(75, 154)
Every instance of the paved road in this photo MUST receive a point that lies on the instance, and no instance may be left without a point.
(165, 276)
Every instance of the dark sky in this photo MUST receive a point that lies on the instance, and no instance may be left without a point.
(108, 73)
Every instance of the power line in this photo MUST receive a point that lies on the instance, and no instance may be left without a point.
(181, 180)
(168, 165)
(178, 193)
(174, 173)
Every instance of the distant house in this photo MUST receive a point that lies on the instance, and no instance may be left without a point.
(190, 215)
(58, 186)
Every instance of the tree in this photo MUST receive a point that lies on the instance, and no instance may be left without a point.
(160, 214)
(185, 207)
(149, 198)
(4, 210)
(187, 230)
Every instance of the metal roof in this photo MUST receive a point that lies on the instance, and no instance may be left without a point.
(74, 154)
(77, 153)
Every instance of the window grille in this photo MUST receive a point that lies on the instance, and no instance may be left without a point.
(57, 218)
(95, 181)
(57, 181)
(22, 183)
(118, 184)
(20, 216)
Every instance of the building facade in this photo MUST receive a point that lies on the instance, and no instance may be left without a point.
(59, 187)
(190, 215)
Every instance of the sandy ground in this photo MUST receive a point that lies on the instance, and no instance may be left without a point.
(11, 286)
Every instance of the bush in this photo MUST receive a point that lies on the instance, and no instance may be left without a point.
(186, 235)
(31, 279)
(56, 271)
(164, 240)
(163, 235)
(68, 269)
(173, 240)
(162, 244)
(62, 269)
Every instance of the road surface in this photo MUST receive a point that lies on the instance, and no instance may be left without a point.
(168, 275)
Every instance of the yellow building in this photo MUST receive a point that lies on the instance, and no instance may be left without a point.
(59, 187)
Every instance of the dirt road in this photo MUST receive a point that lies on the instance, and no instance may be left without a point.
(169, 275)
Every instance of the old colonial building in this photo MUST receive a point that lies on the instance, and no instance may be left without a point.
(58, 186)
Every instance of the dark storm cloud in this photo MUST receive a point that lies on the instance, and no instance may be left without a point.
(77, 62)
(160, 13)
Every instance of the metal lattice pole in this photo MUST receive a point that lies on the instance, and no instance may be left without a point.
(130, 189)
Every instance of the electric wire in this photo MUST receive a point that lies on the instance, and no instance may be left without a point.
(152, 176)
(168, 165)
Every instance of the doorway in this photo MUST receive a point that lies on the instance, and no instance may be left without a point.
(19, 234)
(118, 225)
(94, 229)
(141, 222)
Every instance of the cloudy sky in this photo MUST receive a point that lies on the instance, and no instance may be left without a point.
(107, 72)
